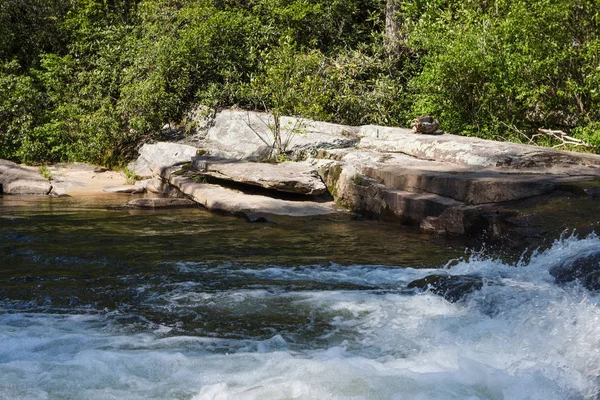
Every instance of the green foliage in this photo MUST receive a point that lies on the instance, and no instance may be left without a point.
(505, 68)
(361, 89)
(21, 109)
(29, 28)
(88, 80)
(44, 172)
(130, 176)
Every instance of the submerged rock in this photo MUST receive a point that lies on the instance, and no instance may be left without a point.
(159, 202)
(451, 287)
(255, 219)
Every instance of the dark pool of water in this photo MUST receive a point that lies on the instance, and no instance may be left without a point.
(76, 255)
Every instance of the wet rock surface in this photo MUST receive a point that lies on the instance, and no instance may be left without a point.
(451, 287)
(584, 268)
(145, 203)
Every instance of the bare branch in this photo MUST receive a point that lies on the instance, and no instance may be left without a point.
(564, 138)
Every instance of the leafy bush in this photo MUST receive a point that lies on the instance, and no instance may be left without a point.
(20, 108)
(504, 69)
(89, 80)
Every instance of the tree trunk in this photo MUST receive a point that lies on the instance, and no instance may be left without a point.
(393, 34)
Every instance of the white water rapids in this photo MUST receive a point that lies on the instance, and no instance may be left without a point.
(525, 338)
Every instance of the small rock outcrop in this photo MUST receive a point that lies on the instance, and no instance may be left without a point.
(426, 124)
(16, 179)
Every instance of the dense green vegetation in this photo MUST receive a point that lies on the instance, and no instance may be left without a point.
(87, 80)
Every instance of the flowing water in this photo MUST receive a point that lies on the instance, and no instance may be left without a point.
(108, 304)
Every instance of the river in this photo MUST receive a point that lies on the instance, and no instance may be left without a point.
(97, 303)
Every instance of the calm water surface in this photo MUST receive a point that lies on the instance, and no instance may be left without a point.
(184, 304)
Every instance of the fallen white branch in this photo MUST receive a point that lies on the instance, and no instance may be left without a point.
(563, 137)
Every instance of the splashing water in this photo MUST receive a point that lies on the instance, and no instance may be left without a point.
(198, 330)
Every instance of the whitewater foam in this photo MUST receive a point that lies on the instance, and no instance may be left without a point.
(522, 337)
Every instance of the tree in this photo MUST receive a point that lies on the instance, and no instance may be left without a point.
(394, 37)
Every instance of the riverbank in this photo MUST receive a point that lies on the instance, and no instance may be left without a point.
(443, 183)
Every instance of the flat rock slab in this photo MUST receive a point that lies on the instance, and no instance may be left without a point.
(289, 177)
(130, 189)
(476, 152)
(469, 187)
(159, 202)
(16, 179)
(217, 198)
(467, 184)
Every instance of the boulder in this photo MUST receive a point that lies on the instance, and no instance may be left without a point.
(290, 177)
(26, 186)
(366, 195)
(584, 267)
(154, 157)
(15, 179)
(451, 287)
(154, 185)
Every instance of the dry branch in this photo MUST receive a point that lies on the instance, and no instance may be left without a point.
(563, 137)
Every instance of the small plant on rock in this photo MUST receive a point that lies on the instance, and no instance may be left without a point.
(130, 176)
(43, 170)
(280, 137)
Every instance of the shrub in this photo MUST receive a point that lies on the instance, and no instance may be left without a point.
(504, 69)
